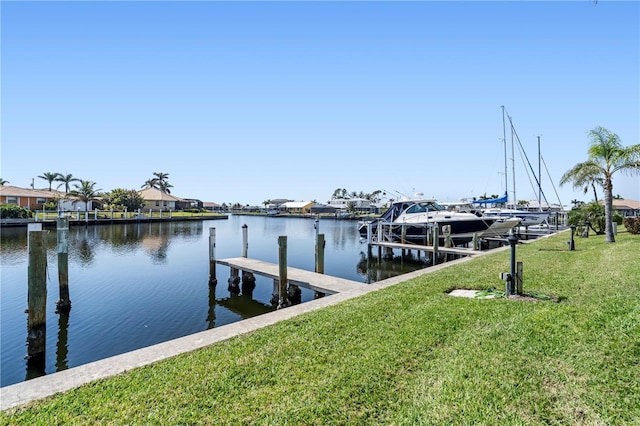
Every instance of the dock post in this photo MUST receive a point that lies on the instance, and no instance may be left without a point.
(234, 281)
(245, 240)
(320, 243)
(37, 297)
(474, 241)
(519, 278)
(369, 238)
(64, 303)
(282, 280)
(248, 282)
(213, 280)
(436, 242)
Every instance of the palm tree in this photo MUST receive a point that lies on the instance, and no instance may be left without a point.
(585, 179)
(86, 192)
(49, 177)
(606, 156)
(150, 183)
(3, 182)
(66, 181)
(159, 181)
(164, 187)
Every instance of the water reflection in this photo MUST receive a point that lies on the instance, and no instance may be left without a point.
(376, 268)
(62, 348)
(139, 284)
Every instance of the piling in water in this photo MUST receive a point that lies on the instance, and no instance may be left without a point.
(37, 296)
(64, 302)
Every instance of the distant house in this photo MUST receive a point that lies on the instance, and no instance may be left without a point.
(212, 207)
(296, 207)
(277, 202)
(323, 209)
(157, 200)
(361, 205)
(626, 208)
(189, 203)
(35, 199)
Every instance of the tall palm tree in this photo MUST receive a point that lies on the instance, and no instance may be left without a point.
(584, 179)
(162, 180)
(606, 157)
(164, 187)
(150, 183)
(86, 192)
(3, 182)
(66, 181)
(49, 177)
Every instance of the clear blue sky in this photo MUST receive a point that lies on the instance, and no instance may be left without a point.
(249, 101)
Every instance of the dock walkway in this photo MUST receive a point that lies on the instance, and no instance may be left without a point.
(311, 280)
(428, 249)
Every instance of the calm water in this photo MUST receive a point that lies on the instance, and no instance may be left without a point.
(136, 285)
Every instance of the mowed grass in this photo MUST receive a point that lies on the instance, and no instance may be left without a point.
(410, 355)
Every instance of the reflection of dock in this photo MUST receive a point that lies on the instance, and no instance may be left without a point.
(244, 306)
(311, 280)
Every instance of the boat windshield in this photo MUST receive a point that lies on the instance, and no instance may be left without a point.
(423, 207)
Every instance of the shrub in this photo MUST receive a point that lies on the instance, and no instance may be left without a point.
(632, 224)
(11, 211)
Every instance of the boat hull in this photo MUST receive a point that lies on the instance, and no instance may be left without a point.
(526, 218)
(461, 231)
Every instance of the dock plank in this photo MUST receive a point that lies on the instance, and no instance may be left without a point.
(450, 250)
(311, 280)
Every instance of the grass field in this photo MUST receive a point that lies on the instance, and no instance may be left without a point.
(411, 354)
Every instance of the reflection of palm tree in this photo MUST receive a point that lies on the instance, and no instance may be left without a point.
(606, 156)
(49, 177)
(86, 192)
(66, 181)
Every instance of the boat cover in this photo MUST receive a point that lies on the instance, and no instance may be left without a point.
(502, 199)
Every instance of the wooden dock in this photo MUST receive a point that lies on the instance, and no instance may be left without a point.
(428, 249)
(311, 280)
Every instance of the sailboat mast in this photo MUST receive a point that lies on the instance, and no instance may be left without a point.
(513, 166)
(504, 142)
(539, 178)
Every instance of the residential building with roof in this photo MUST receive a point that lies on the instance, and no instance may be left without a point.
(156, 200)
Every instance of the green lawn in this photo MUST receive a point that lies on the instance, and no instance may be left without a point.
(410, 354)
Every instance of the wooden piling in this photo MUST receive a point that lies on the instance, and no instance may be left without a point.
(234, 281)
(282, 280)
(37, 295)
(213, 280)
(320, 244)
(64, 302)
(245, 240)
(436, 242)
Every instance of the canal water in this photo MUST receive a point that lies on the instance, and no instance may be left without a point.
(135, 285)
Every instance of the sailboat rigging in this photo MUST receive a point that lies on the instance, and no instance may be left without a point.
(527, 217)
